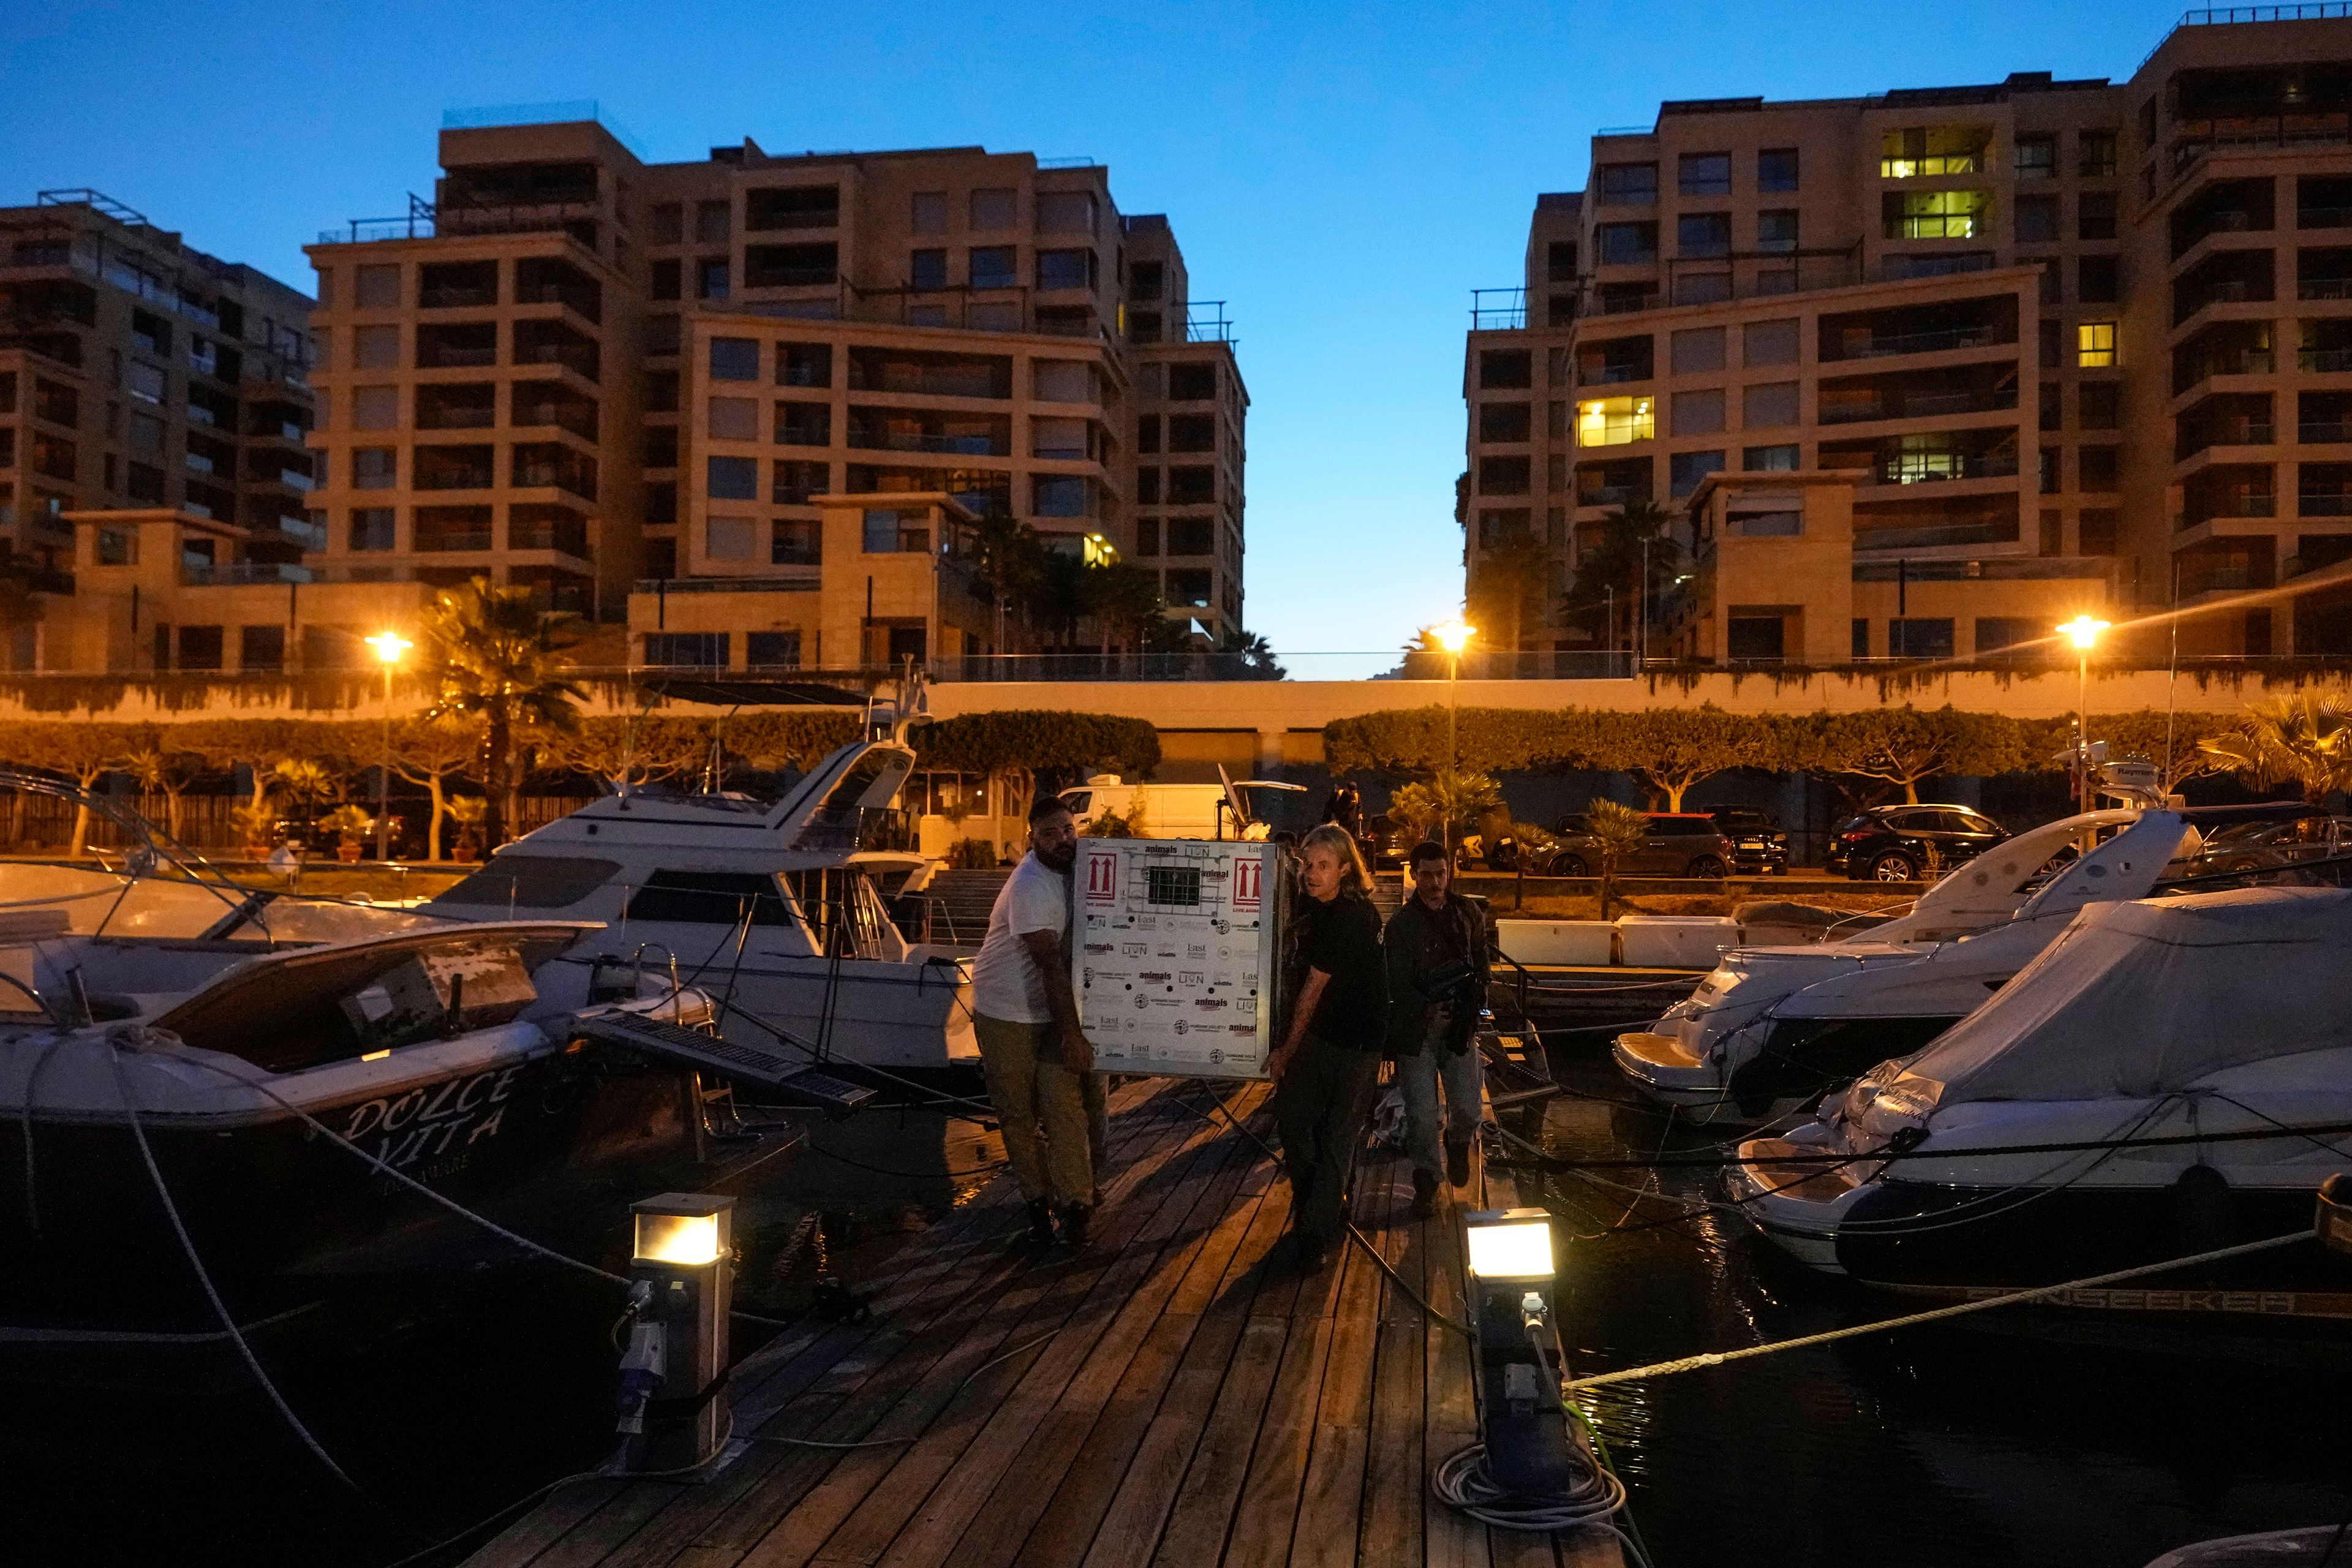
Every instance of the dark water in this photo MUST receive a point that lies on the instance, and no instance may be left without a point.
(2028, 1438)
(1997, 1444)
(441, 1412)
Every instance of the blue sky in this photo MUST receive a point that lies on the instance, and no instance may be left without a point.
(1342, 177)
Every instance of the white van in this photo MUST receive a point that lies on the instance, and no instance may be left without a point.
(1219, 810)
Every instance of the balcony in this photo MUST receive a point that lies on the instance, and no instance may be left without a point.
(468, 345)
(2323, 361)
(569, 538)
(547, 281)
(541, 465)
(241, 573)
(2322, 288)
(2323, 503)
(553, 343)
(2323, 432)
(458, 285)
(1864, 346)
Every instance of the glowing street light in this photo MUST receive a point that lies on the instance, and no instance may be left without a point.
(2082, 631)
(389, 647)
(1454, 637)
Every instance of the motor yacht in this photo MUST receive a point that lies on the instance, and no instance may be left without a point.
(2172, 1074)
(773, 910)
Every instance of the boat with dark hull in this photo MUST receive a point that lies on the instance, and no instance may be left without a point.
(282, 1100)
(2172, 1076)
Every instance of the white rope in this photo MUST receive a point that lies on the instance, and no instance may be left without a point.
(1718, 1358)
(212, 1293)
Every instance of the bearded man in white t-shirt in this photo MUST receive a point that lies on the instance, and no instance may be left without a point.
(1038, 1063)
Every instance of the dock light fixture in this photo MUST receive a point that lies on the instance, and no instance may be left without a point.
(1522, 1419)
(1510, 1243)
(674, 1374)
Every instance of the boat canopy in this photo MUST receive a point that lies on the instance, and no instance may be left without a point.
(2145, 999)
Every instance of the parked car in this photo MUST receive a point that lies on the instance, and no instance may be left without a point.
(1903, 843)
(1680, 844)
(1759, 845)
(2260, 846)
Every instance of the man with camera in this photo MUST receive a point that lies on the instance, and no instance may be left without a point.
(1438, 969)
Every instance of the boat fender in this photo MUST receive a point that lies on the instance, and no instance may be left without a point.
(2335, 1223)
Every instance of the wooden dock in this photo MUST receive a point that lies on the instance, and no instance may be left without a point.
(1168, 1396)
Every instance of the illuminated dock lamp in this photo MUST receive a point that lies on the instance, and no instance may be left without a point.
(2082, 631)
(1522, 1419)
(673, 1375)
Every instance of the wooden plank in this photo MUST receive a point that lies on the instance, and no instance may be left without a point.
(1269, 1501)
(1395, 1482)
(522, 1542)
(1331, 1497)
(867, 1498)
(1450, 1420)
(936, 1528)
(894, 1352)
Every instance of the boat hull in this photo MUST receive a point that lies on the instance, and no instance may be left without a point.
(554, 1143)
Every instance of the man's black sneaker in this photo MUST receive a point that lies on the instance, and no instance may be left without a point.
(1073, 1220)
(1041, 1222)
(1424, 1194)
(1457, 1163)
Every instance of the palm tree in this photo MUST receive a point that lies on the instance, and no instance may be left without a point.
(1617, 831)
(1243, 655)
(1123, 600)
(2305, 740)
(486, 656)
(1508, 591)
(1612, 563)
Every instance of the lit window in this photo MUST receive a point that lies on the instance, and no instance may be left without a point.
(1933, 214)
(1613, 421)
(2095, 343)
(1922, 152)
(1918, 458)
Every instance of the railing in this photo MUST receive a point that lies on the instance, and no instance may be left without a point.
(2320, 431)
(1862, 347)
(2323, 503)
(1895, 470)
(460, 416)
(2235, 433)
(571, 541)
(1627, 304)
(578, 358)
(457, 356)
(663, 587)
(1933, 536)
(963, 445)
(581, 301)
(456, 297)
(2325, 361)
(240, 574)
(2250, 503)
(1499, 310)
(2201, 137)
(2322, 288)
(2323, 218)
(1614, 375)
(1613, 495)
(435, 540)
(577, 418)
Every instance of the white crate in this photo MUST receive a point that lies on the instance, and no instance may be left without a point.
(1175, 955)
(1675, 941)
(1572, 943)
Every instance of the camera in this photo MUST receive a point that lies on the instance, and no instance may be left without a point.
(1454, 987)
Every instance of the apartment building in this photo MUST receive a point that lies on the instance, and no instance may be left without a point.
(2019, 342)
(620, 381)
(140, 377)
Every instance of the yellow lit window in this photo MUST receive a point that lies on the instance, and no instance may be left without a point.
(1924, 151)
(1613, 421)
(2095, 343)
(1934, 214)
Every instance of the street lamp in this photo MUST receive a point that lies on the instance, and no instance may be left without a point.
(1454, 637)
(2082, 631)
(389, 647)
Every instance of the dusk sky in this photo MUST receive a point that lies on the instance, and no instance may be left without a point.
(1343, 178)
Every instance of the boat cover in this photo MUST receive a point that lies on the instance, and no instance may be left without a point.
(2144, 998)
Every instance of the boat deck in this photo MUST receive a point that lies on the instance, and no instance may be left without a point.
(1167, 1395)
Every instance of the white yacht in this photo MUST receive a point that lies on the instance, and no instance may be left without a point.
(771, 910)
(1694, 1057)
(2172, 1076)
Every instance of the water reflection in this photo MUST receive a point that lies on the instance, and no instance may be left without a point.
(2024, 1436)
(442, 1407)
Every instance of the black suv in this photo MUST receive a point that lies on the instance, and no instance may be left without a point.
(1903, 843)
(1759, 845)
(1681, 844)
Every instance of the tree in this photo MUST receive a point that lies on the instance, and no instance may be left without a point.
(1124, 600)
(2173, 741)
(1450, 797)
(432, 751)
(1609, 564)
(1903, 746)
(1671, 749)
(163, 768)
(1057, 599)
(486, 656)
(80, 752)
(1509, 591)
(1616, 831)
(1007, 558)
(2305, 740)
(1019, 743)
(1243, 654)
